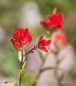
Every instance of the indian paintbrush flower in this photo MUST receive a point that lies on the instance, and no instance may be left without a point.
(54, 20)
(21, 38)
(60, 37)
(42, 43)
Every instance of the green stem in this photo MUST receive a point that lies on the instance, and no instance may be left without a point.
(39, 72)
(30, 51)
(20, 78)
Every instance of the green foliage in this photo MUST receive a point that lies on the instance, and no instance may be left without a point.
(9, 63)
(27, 79)
(41, 56)
(11, 82)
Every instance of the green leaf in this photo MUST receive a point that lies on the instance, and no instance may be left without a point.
(11, 82)
(20, 55)
(35, 77)
(48, 68)
(21, 72)
(41, 56)
(27, 79)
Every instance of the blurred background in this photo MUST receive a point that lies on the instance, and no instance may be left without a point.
(28, 13)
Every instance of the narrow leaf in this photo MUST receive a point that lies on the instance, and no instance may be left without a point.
(41, 56)
(48, 68)
(11, 82)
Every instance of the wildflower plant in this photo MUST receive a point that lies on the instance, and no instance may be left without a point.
(54, 21)
(53, 26)
(22, 38)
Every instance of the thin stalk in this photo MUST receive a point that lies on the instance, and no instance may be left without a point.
(31, 50)
(39, 72)
(20, 78)
(21, 64)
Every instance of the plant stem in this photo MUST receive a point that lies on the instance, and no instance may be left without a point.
(20, 78)
(21, 64)
(39, 72)
(30, 51)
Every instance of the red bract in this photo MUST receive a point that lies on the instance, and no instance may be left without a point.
(42, 43)
(46, 24)
(60, 37)
(21, 38)
(54, 20)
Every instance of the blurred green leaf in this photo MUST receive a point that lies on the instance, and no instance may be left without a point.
(41, 56)
(11, 82)
(46, 69)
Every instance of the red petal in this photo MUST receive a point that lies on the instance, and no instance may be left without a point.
(43, 23)
(41, 37)
(17, 45)
(27, 31)
(49, 24)
(21, 37)
(49, 16)
(40, 45)
(61, 16)
(48, 42)
(44, 49)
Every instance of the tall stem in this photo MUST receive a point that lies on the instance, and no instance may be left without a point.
(20, 78)
(39, 72)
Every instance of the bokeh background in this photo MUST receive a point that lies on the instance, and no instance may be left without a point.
(28, 13)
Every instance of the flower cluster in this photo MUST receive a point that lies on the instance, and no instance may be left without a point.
(22, 37)
(54, 20)
(60, 37)
(42, 43)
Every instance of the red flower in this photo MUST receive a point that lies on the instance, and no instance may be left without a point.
(61, 37)
(42, 43)
(47, 24)
(54, 20)
(21, 38)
